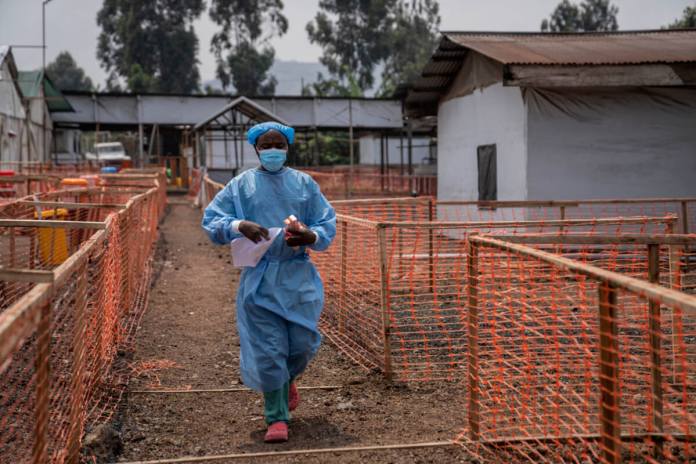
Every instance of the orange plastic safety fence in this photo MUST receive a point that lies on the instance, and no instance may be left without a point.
(572, 363)
(369, 184)
(210, 189)
(13, 187)
(395, 289)
(63, 343)
(194, 186)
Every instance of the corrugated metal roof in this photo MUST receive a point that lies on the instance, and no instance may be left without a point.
(246, 107)
(617, 48)
(30, 84)
(546, 49)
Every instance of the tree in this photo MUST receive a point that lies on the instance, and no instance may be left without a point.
(151, 45)
(412, 41)
(590, 16)
(354, 36)
(333, 87)
(687, 21)
(66, 74)
(247, 27)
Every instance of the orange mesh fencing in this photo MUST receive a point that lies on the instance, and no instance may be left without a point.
(209, 188)
(369, 184)
(13, 187)
(568, 362)
(194, 185)
(394, 290)
(73, 286)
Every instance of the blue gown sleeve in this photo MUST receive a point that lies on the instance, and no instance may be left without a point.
(321, 218)
(219, 215)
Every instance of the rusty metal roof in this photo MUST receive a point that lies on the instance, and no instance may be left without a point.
(616, 48)
(546, 49)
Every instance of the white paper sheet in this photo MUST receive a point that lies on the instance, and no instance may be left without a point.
(246, 253)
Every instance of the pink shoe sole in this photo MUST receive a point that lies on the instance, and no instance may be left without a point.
(277, 433)
(293, 397)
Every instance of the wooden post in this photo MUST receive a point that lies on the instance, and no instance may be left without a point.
(344, 269)
(13, 248)
(609, 374)
(41, 409)
(675, 284)
(431, 259)
(472, 339)
(655, 332)
(74, 438)
(563, 216)
(386, 310)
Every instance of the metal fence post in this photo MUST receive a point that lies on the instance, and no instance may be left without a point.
(472, 339)
(655, 331)
(384, 279)
(610, 420)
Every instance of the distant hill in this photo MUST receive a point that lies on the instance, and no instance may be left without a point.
(290, 75)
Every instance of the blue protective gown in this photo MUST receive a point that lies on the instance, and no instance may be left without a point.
(279, 301)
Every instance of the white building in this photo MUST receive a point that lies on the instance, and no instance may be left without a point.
(12, 115)
(528, 116)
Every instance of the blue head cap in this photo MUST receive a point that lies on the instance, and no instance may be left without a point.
(258, 130)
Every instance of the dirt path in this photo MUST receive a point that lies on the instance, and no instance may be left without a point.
(189, 333)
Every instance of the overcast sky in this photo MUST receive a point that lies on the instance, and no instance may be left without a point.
(71, 25)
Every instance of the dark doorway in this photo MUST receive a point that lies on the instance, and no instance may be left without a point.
(487, 173)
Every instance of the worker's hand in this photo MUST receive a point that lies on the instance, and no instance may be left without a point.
(299, 236)
(253, 231)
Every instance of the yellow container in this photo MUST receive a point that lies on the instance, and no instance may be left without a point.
(179, 182)
(53, 242)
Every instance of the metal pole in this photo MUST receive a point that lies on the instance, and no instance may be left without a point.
(401, 153)
(410, 155)
(43, 76)
(140, 131)
(350, 137)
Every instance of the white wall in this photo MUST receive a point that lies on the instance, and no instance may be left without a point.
(11, 116)
(611, 143)
(495, 114)
(370, 150)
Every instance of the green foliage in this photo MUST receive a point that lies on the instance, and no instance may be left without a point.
(242, 48)
(589, 16)
(333, 149)
(687, 21)
(67, 75)
(412, 41)
(151, 45)
(355, 37)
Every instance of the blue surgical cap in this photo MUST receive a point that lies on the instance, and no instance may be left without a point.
(258, 130)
